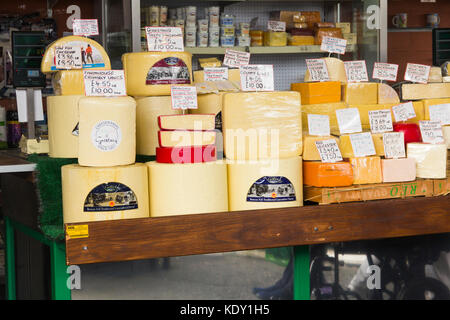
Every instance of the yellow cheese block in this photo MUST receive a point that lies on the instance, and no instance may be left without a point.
(177, 189)
(318, 92)
(418, 91)
(148, 109)
(328, 109)
(386, 94)
(153, 73)
(68, 82)
(345, 145)
(107, 131)
(98, 59)
(104, 193)
(187, 122)
(264, 184)
(366, 170)
(233, 75)
(30, 146)
(431, 159)
(336, 70)
(310, 152)
(360, 93)
(184, 138)
(260, 125)
(427, 103)
(62, 119)
(210, 103)
(275, 39)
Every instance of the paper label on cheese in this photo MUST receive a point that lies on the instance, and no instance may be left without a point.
(164, 39)
(85, 27)
(271, 189)
(348, 120)
(111, 196)
(380, 121)
(394, 145)
(68, 57)
(404, 111)
(356, 71)
(329, 151)
(215, 74)
(318, 125)
(440, 112)
(318, 70)
(90, 56)
(257, 77)
(106, 135)
(431, 131)
(417, 73)
(333, 45)
(236, 59)
(104, 83)
(184, 97)
(362, 144)
(276, 26)
(170, 70)
(385, 71)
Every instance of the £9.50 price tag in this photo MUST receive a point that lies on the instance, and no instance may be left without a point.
(106, 83)
(68, 57)
(329, 151)
(394, 145)
(380, 121)
(85, 27)
(318, 70)
(257, 77)
(417, 72)
(431, 132)
(333, 45)
(184, 97)
(356, 71)
(404, 111)
(385, 71)
(235, 58)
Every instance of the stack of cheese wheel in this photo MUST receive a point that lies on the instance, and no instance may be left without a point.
(186, 177)
(263, 146)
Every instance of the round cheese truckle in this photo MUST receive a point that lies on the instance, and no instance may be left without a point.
(411, 131)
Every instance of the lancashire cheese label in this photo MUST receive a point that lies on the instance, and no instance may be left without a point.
(271, 189)
(111, 196)
(170, 70)
(106, 135)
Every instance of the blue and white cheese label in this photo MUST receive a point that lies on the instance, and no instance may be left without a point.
(271, 189)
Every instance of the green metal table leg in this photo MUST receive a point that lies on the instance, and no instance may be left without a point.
(59, 275)
(301, 273)
(10, 265)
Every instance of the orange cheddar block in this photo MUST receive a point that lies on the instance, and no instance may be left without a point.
(319, 174)
(318, 92)
(366, 170)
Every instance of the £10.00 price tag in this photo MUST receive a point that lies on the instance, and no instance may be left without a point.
(404, 111)
(164, 39)
(318, 125)
(184, 97)
(236, 59)
(329, 151)
(107, 83)
(380, 121)
(68, 57)
(333, 45)
(215, 74)
(278, 26)
(385, 71)
(431, 132)
(417, 72)
(318, 70)
(85, 27)
(257, 77)
(362, 144)
(394, 145)
(356, 71)
(348, 120)
(440, 112)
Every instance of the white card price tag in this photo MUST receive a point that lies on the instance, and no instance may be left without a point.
(333, 45)
(68, 57)
(257, 77)
(362, 144)
(380, 121)
(385, 71)
(215, 74)
(164, 39)
(318, 70)
(236, 59)
(431, 131)
(417, 72)
(277, 26)
(329, 151)
(394, 145)
(440, 112)
(104, 83)
(356, 71)
(85, 27)
(404, 111)
(184, 97)
(348, 120)
(318, 125)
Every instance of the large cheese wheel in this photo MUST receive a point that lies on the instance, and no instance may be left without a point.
(210, 103)
(148, 109)
(62, 118)
(431, 159)
(177, 189)
(107, 131)
(153, 73)
(100, 59)
(68, 82)
(336, 70)
(264, 184)
(104, 193)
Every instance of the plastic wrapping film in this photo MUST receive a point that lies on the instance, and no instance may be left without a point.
(327, 32)
(345, 145)
(446, 133)
(299, 40)
(275, 39)
(398, 170)
(418, 91)
(310, 152)
(360, 93)
(153, 73)
(328, 109)
(427, 103)
(233, 75)
(95, 57)
(318, 174)
(318, 92)
(366, 170)
(431, 159)
(387, 94)
(68, 82)
(336, 70)
(435, 75)
(411, 131)
(260, 125)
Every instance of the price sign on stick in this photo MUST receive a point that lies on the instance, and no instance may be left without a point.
(356, 71)
(104, 83)
(348, 120)
(385, 71)
(431, 132)
(257, 77)
(333, 45)
(394, 145)
(362, 144)
(68, 57)
(236, 59)
(380, 121)
(318, 70)
(85, 27)
(318, 125)
(215, 74)
(164, 39)
(404, 111)
(329, 151)
(417, 72)
(440, 112)
(184, 97)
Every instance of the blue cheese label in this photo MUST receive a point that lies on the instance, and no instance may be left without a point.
(111, 196)
(106, 135)
(271, 189)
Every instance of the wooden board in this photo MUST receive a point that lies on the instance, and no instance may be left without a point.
(145, 238)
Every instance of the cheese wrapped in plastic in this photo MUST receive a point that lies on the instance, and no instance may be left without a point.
(318, 92)
(275, 39)
(68, 82)
(328, 109)
(318, 174)
(431, 159)
(327, 32)
(260, 125)
(336, 70)
(366, 170)
(418, 91)
(360, 93)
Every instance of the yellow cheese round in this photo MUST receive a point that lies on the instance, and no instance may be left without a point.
(104, 193)
(107, 131)
(68, 82)
(148, 110)
(62, 118)
(100, 59)
(153, 73)
(177, 189)
(336, 70)
(264, 184)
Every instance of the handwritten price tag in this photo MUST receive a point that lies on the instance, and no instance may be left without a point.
(317, 69)
(362, 144)
(417, 72)
(356, 71)
(380, 121)
(184, 97)
(333, 45)
(236, 59)
(394, 145)
(68, 57)
(215, 74)
(431, 132)
(318, 125)
(257, 77)
(164, 39)
(385, 71)
(404, 111)
(348, 120)
(440, 112)
(85, 27)
(107, 83)
(278, 26)
(329, 151)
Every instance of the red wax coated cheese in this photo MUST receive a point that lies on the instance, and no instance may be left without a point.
(411, 131)
(186, 154)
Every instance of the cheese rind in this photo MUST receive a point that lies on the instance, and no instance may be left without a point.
(310, 152)
(318, 92)
(398, 170)
(417, 91)
(366, 170)
(431, 159)
(360, 93)
(318, 174)
(68, 82)
(184, 138)
(187, 122)
(336, 70)
(386, 94)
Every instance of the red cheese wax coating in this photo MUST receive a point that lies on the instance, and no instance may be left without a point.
(411, 131)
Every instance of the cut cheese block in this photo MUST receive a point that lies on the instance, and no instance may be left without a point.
(435, 75)
(104, 193)
(147, 112)
(97, 59)
(318, 92)
(233, 75)
(345, 145)
(30, 146)
(68, 82)
(107, 131)
(411, 131)
(177, 189)
(386, 94)
(446, 133)
(264, 184)
(431, 159)
(184, 138)
(310, 151)
(62, 119)
(398, 170)
(366, 170)
(427, 103)
(336, 70)
(318, 174)
(186, 154)
(417, 91)
(360, 93)
(210, 103)
(328, 109)
(153, 73)
(187, 122)
(260, 125)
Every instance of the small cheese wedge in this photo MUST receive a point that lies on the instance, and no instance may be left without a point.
(318, 174)
(336, 70)
(345, 145)
(318, 92)
(418, 91)
(184, 138)
(431, 159)
(360, 93)
(386, 94)
(366, 170)
(187, 122)
(398, 170)
(310, 152)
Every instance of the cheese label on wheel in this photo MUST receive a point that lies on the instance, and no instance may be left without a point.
(271, 189)
(106, 135)
(111, 196)
(170, 70)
